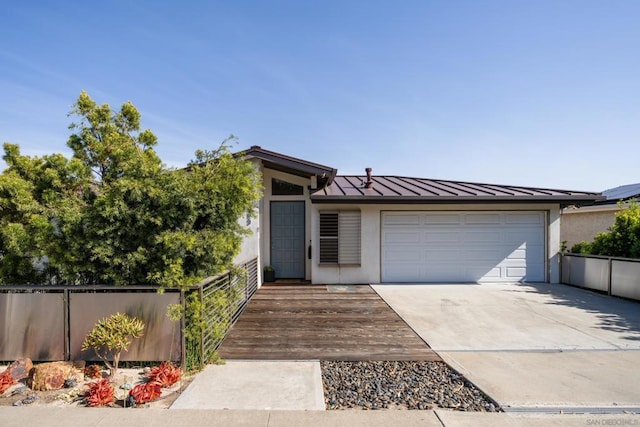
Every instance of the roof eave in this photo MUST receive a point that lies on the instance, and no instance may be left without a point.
(288, 164)
(563, 200)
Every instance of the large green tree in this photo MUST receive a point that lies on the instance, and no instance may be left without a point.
(114, 213)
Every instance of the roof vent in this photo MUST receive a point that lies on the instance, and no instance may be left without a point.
(369, 183)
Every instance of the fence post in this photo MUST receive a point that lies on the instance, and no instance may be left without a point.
(183, 328)
(610, 265)
(203, 307)
(67, 323)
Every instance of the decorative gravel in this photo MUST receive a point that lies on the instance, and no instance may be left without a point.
(400, 385)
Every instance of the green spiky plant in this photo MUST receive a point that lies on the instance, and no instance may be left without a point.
(111, 336)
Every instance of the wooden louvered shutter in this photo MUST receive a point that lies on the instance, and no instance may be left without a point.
(340, 237)
(349, 237)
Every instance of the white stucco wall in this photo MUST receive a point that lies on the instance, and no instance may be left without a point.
(370, 269)
(250, 247)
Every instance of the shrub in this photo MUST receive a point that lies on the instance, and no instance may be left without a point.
(112, 335)
(622, 239)
(583, 247)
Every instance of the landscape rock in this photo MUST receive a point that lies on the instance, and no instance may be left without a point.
(70, 382)
(52, 375)
(20, 369)
(30, 399)
(399, 385)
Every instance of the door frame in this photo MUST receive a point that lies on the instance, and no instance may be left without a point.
(304, 239)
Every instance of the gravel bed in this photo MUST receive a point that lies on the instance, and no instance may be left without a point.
(400, 385)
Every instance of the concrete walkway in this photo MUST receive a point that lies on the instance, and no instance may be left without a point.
(106, 417)
(255, 385)
(534, 346)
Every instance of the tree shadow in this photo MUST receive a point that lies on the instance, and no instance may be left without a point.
(614, 314)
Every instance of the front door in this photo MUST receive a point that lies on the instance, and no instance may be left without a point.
(287, 239)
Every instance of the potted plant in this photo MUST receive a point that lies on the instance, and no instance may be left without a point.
(269, 274)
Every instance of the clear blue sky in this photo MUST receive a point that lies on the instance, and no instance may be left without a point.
(538, 93)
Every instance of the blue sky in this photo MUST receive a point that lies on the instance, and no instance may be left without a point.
(538, 93)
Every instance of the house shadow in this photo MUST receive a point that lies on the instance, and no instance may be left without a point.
(614, 314)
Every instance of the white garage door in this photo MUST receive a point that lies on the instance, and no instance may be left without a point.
(463, 246)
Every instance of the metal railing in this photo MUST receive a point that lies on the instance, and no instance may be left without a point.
(224, 298)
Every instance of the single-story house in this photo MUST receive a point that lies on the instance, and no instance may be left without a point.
(327, 228)
(583, 223)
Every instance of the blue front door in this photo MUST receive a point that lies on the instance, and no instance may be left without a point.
(287, 239)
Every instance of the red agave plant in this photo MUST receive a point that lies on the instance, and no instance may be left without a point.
(100, 393)
(6, 381)
(143, 393)
(166, 374)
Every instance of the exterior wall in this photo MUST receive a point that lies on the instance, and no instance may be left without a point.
(585, 223)
(553, 241)
(370, 269)
(250, 248)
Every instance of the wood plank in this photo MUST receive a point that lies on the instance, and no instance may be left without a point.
(298, 321)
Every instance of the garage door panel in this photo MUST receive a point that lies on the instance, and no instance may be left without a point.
(401, 237)
(518, 254)
(402, 255)
(483, 237)
(482, 274)
(441, 274)
(524, 218)
(519, 238)
(441, 219)
(482, 255)
(482, 218)
(402, 219)
(516, 271)
(442, 255)
(463, 246)
(405, 273)
(446, 237)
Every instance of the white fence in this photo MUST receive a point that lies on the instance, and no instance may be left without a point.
(616, 276)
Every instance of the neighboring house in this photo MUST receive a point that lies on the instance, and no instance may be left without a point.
(330, 229)
(585, 222)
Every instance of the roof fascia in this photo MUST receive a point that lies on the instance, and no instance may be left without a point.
(391, 200)
(288, 164)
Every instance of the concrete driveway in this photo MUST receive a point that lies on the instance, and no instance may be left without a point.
(531, 346)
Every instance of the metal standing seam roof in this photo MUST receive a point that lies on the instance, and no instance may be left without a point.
(398, 189)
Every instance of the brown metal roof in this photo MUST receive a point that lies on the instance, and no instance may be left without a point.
(291, 165)
(398, 189)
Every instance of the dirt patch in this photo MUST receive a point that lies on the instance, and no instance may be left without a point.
(19, 394)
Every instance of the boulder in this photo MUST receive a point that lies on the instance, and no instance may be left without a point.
(51, 376)
(20, 369)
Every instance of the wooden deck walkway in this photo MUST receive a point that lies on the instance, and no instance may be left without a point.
(304, 322)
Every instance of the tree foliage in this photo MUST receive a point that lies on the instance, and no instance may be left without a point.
(114, 213)
(621, 240)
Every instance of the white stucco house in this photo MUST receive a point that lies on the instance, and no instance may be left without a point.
(326, 228)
